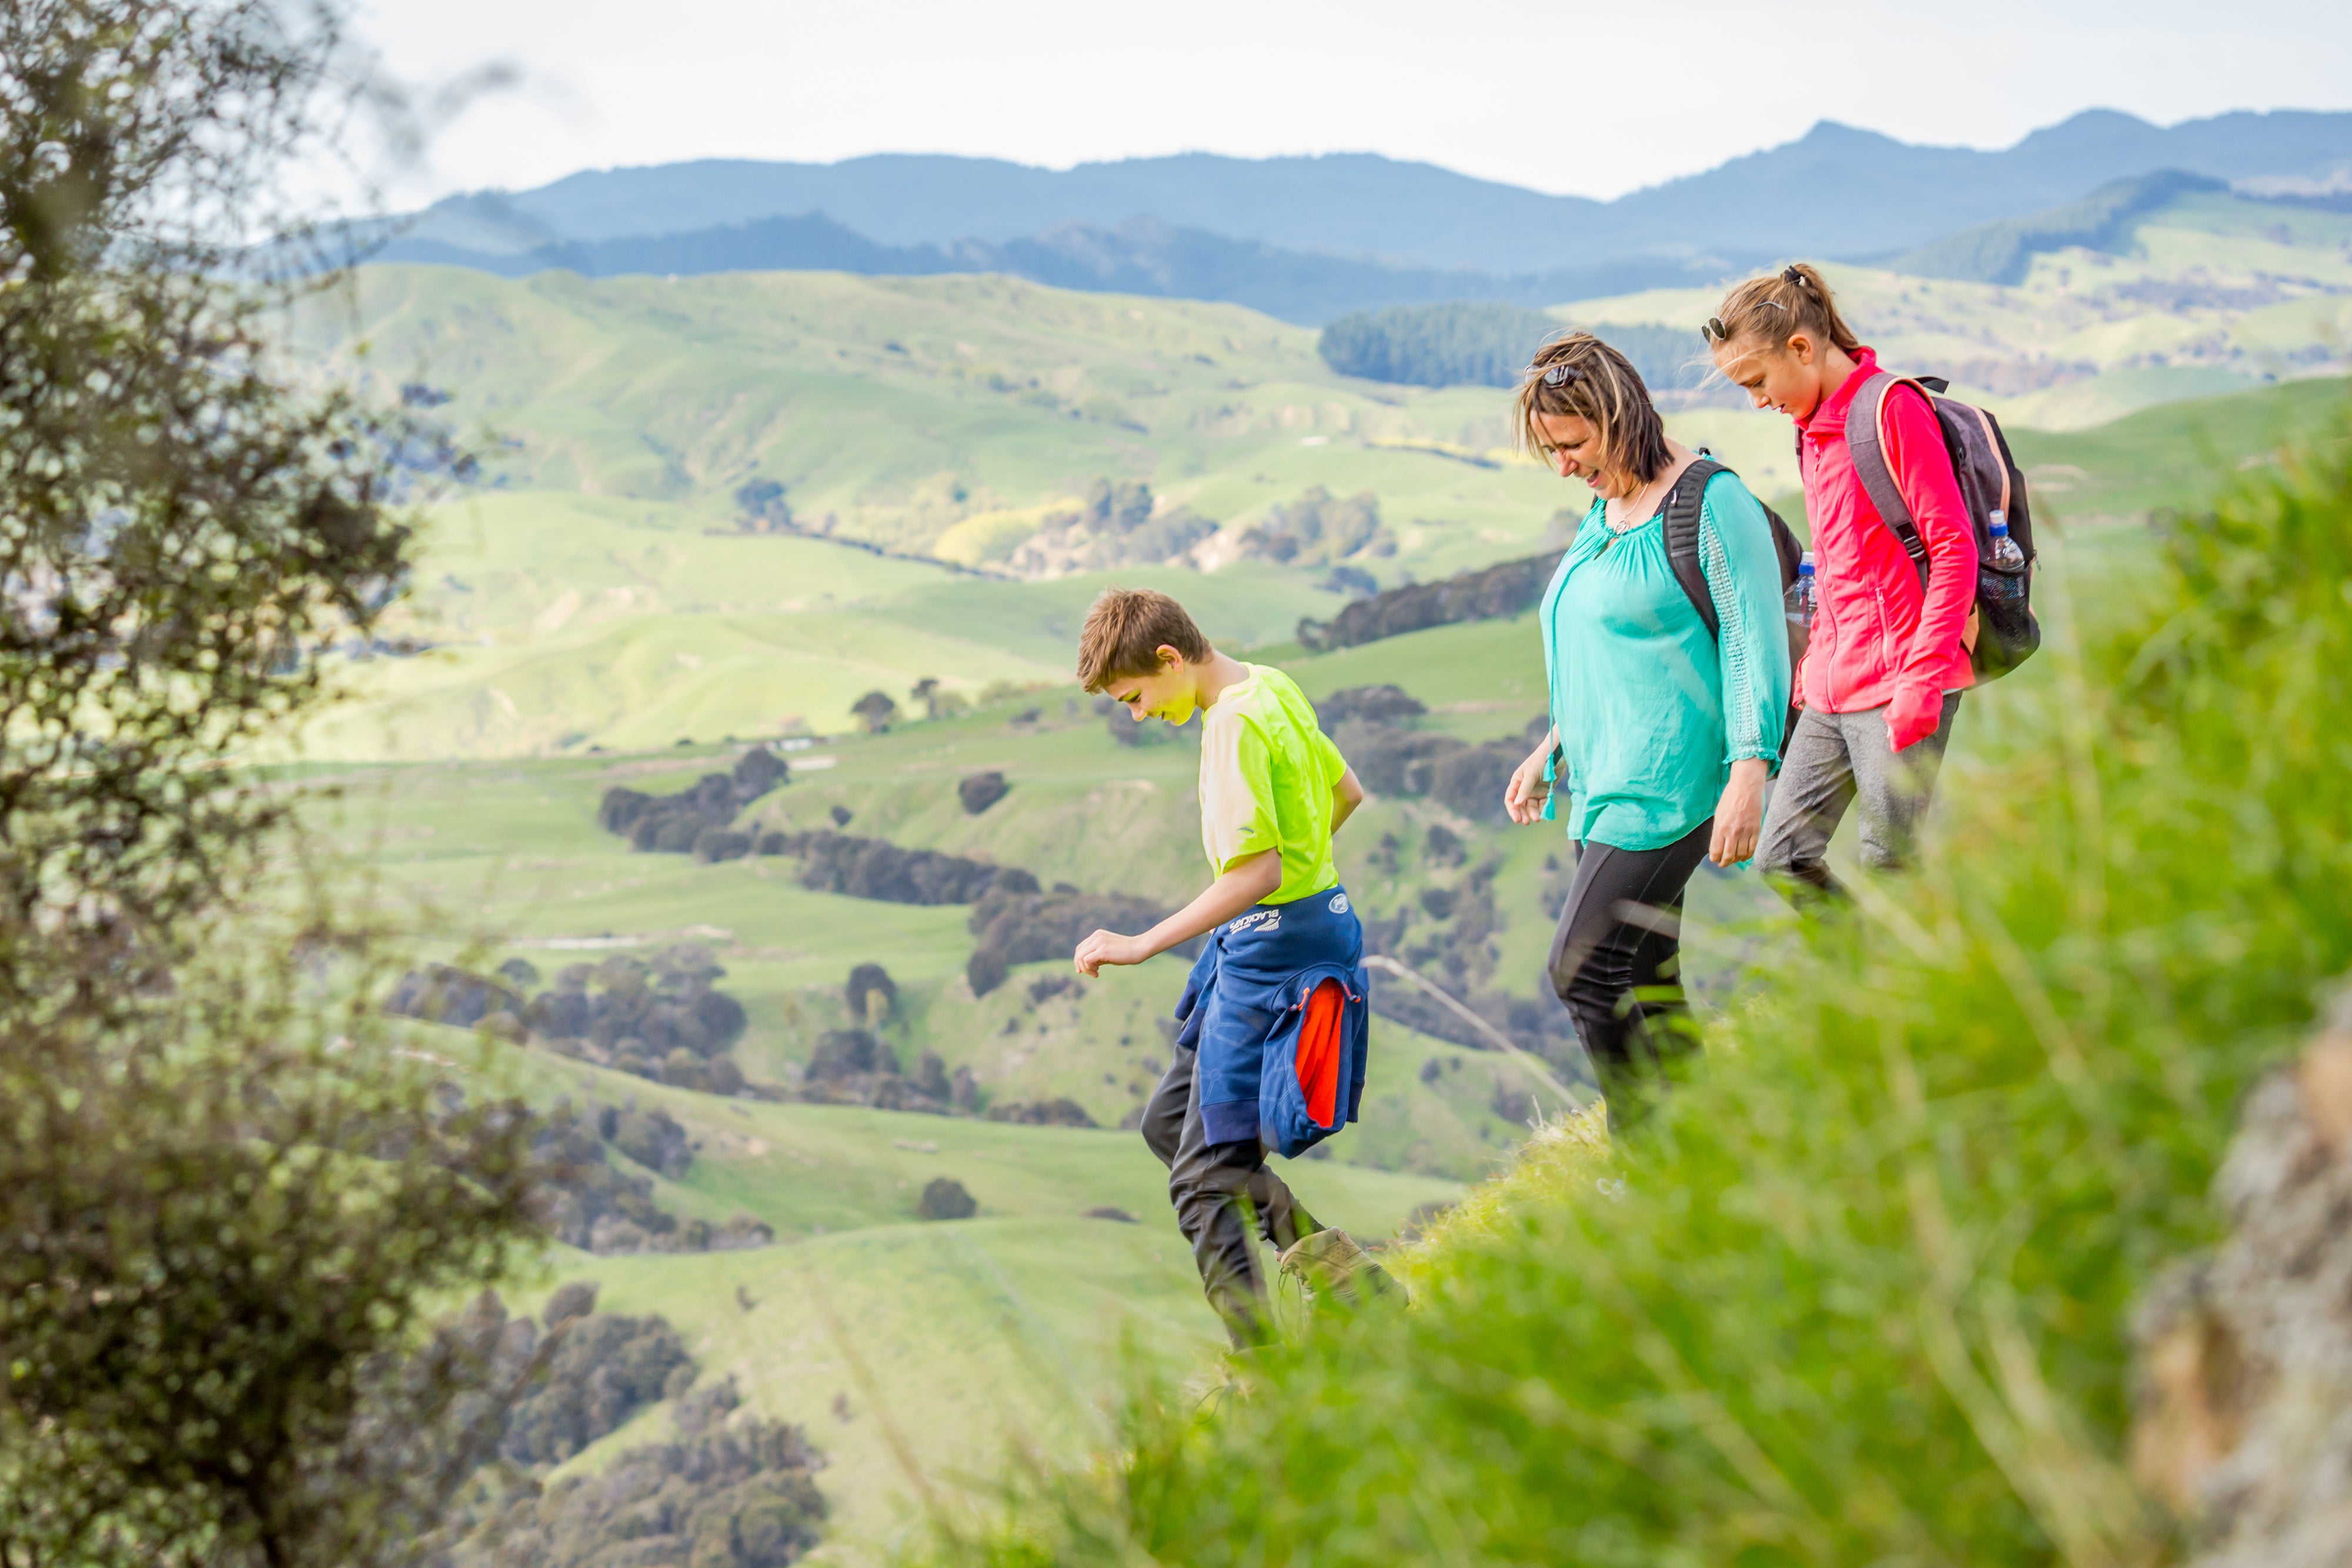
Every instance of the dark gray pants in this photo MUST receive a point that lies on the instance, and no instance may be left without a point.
(1831, 760)
(1216, 1188)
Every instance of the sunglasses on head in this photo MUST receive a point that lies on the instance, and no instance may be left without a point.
(1560, 375)
(1715, 332)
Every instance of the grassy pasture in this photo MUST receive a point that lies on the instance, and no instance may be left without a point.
(968, 1338)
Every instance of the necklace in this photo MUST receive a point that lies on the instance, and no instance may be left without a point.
(1629, 516)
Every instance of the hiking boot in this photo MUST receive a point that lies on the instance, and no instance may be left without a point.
(1331, 1264)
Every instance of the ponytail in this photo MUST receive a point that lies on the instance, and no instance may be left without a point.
(1775, 307)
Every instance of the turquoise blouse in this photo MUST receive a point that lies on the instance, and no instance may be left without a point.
(1652, 711)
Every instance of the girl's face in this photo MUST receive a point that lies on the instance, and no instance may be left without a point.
(1577, 452)
(1787, 378)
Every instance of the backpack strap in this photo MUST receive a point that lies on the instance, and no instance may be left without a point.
(1865, 439)
(1682, 508)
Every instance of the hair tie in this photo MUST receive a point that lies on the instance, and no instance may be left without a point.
(1790, 274)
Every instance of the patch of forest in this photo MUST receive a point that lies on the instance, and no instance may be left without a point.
(727, 1489)
(1494, 593)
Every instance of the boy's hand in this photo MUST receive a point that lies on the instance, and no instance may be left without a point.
(1108, 948)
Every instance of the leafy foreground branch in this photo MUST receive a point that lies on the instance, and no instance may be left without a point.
(1861, 1293)
(226, 1201)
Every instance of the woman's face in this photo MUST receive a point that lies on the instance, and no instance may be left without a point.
(1574, 444)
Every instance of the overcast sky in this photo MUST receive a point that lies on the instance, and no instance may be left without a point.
(1589, 99)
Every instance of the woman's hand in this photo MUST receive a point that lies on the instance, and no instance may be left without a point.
(1108, 947)
(1739, 815)
(1524, 797)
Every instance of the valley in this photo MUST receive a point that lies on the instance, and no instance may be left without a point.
(619, 604)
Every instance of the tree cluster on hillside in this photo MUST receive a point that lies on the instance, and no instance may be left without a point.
(979, 791)
(228, 1204)
(1059, 1112)
(872, 995)
(663, 1019)
(598, 1370)
(1508, 589)
(660, 1018)
(1466, 779)
(760, 508)
(444, 994)
(876, 868)
(1118, 524)
(696, 821)
(1317, 529)
(1458, 344)
(1383, 704)
(944, 1197)
(1024, 925)
(1446, 936)
(1489, 345)
(729, 1492)
(730, 1495)
(589, 1203)
(857, 1066)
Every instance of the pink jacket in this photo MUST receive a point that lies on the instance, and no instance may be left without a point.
(1875, 630)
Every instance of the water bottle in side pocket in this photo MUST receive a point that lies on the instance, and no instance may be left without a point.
(1800, 596)
(2003, 576)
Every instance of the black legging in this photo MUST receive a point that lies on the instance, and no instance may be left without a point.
(1616, 959)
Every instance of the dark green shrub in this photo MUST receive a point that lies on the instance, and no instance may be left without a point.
(945, 1198)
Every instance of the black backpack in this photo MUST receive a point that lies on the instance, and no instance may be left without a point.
(2002, 633)
(1682, 510)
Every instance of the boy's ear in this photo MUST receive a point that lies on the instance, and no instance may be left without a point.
(1170, 659)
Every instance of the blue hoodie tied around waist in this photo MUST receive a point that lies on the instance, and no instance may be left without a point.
(1243, 1008)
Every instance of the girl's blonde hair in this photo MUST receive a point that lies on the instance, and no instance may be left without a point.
(1582, 377)
(1776, 307)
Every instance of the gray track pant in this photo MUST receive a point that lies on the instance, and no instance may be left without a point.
(1217, 1188)
(1831, 760)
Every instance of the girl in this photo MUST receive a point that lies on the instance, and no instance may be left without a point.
(1665, 731)
(1885, 665)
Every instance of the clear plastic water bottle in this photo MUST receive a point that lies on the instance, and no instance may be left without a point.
(1800, 597)
(2005, 553)
(2004, 574)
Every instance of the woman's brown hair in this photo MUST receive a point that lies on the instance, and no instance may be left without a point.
(1776, 307)
(1581, 377)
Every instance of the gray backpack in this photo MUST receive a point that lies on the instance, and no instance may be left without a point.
(2002, 633)
(1681, 506)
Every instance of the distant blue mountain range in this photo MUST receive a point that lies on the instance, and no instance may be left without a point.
(1311, 237)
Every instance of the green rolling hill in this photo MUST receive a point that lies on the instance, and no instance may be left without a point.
(2206, 294)
(572, 624)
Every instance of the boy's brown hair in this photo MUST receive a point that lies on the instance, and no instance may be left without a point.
(1125, 631)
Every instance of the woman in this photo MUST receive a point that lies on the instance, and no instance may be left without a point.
(1888, 655)
(1663, 731)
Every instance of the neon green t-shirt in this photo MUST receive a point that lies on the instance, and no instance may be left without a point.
(1267, 775)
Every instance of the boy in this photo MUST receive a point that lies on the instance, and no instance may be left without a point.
(1282, 965)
